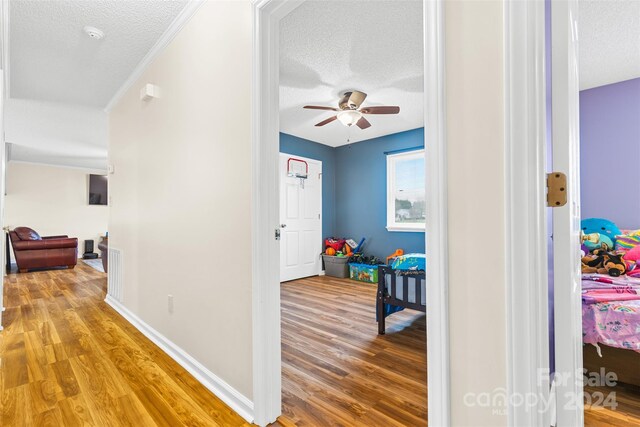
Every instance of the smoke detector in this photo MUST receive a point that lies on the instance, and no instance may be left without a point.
(93, 32)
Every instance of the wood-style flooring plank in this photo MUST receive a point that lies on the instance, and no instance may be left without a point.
(68, 359)
(337, 370)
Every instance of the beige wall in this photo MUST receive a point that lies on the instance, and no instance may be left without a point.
(181, 192)
(477, 291)
(53, 200)
(181, 210)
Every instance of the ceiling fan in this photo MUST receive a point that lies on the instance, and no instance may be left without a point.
(349, 111)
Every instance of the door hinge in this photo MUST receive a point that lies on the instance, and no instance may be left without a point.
(556, 189)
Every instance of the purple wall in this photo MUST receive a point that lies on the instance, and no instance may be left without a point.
(610, 153)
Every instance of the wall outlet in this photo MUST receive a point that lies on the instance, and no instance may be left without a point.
(170, 303)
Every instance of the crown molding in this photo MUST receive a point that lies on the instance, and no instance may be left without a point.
(178, 23)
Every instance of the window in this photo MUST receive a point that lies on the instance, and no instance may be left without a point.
(406, 210)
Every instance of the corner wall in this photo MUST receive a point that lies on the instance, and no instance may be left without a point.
(181, 192)
(361, 194)
(53, 201)
(354, 189)
(610, 153)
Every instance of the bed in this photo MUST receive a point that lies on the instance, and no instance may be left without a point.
(400, 286)
(611, 325)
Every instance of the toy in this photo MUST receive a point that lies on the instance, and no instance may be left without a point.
(603, 262)
(330, 251)
(334, 243)
(601, 226)
(596, 241)
(398, 252)
(614, 265)
(359, 247)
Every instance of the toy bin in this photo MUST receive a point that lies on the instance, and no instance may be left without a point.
(336, 266)
(363, 273)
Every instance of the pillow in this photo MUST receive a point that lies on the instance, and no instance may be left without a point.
(626, 242)
(633, 254)
(602, 226)
(26, 233)
(410, 262)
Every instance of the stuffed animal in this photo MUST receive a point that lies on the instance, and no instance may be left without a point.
(601, 226)
(603, 262)
(614, 265)
(597, 241)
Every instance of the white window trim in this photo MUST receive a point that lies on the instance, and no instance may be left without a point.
(391, 219)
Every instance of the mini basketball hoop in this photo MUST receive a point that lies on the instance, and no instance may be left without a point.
(297, 168)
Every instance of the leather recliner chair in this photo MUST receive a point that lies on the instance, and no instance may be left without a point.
(33, 251)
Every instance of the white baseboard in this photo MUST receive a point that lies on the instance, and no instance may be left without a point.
(232, 397)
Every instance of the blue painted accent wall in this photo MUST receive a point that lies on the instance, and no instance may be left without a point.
(361, 194)
(354, 189)
(303, 147)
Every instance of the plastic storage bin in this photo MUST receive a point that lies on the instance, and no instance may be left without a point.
(336, 266)
(363, 273)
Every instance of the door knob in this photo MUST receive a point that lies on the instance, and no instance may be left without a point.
(283, 225)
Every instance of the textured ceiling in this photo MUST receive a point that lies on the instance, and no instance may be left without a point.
(52, 59)
(609, 35)
(329, 47)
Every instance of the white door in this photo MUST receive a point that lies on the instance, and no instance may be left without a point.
(300, 221)
(566, 219)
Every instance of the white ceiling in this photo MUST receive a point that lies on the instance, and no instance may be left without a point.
(60, 80)
(52, 59)
(609, 38)
(329, 47)
(56, 134)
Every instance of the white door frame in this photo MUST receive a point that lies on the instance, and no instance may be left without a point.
(526, 228)
(319, 163)
(267, 386)
(527, 234)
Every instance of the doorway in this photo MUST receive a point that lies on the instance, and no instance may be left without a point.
(266, 303)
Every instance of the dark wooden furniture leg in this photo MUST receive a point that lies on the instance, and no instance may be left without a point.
(380, 302)
(6, 251)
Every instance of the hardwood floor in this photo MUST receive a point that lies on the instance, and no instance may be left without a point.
(68, 359)
(337, 370)
(627, 412)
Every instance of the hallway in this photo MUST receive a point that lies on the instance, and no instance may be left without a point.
(69, 359)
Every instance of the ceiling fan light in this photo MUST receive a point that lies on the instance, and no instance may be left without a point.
(349, 117)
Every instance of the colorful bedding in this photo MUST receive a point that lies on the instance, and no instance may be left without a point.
(611, 311)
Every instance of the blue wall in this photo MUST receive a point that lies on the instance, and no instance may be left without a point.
(303, 147)
(354, 189)
(361, 194)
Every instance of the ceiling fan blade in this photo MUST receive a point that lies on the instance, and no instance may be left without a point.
(329, 120)
(317, 107)
(363, 123)
(380, 110)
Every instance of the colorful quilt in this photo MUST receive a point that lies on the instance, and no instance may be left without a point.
(611, 311)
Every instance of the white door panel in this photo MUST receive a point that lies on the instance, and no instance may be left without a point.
(300, 219)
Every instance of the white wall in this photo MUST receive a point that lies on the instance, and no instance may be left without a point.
(181, 192)
(476, 203)
(53, 201)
